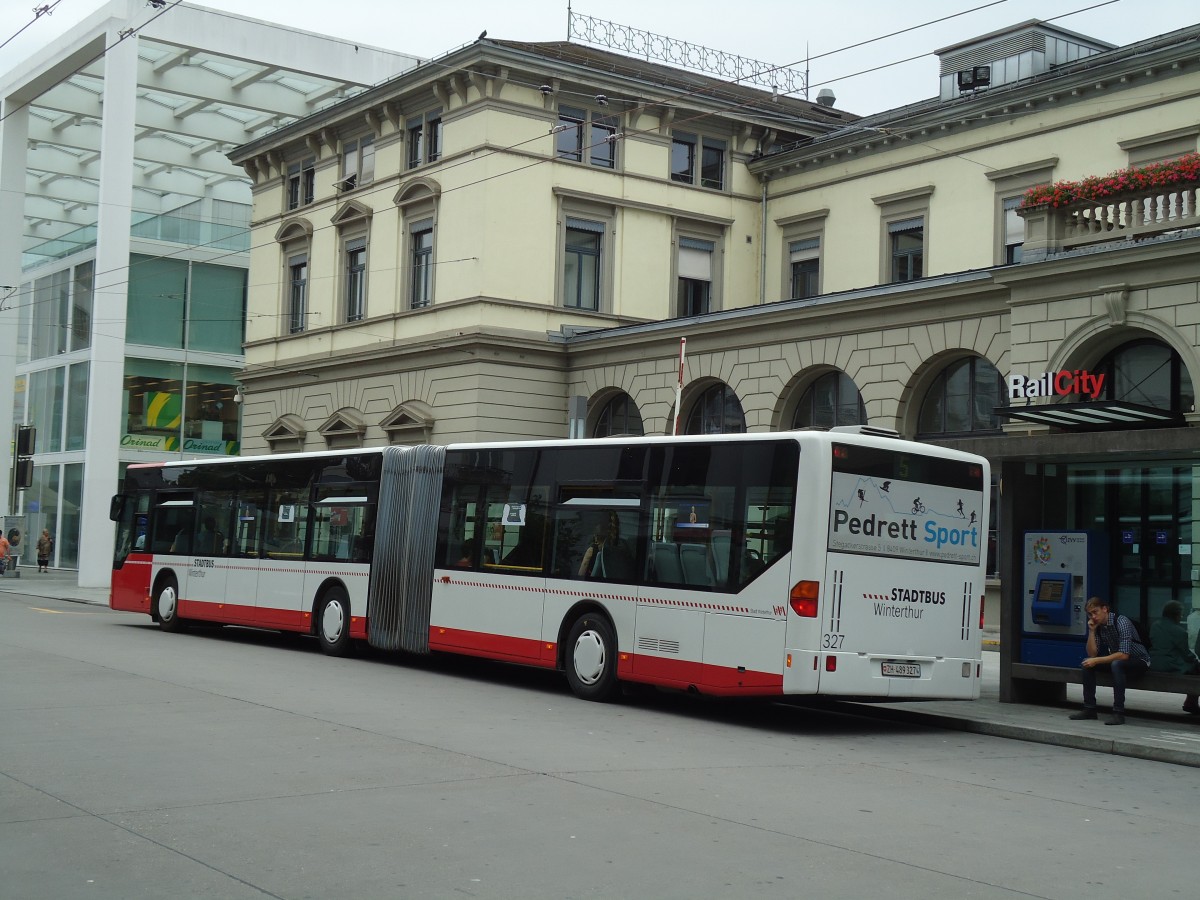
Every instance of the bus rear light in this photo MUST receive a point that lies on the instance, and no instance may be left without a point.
(831, 664)
(982, 600)
(804, 598)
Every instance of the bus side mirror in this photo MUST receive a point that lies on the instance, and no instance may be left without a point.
(116, 507)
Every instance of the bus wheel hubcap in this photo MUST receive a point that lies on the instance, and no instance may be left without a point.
(166, 603)
(589, 657)
(333, 620)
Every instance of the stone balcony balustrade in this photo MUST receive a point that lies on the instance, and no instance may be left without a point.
(1131, 217)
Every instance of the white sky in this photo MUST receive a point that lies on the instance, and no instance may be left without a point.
(778, 32)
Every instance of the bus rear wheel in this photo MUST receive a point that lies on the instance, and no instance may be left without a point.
(166, 605)
(333, 623)
(591, 658)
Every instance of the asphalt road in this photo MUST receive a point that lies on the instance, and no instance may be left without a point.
(232, 763)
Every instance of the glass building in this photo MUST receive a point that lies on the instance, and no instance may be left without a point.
(124, 258)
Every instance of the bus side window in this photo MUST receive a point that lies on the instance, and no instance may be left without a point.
(248, 536)
(516, 530)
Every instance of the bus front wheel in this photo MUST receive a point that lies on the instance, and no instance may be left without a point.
(591, 661)
(166, 604)
(333, 623)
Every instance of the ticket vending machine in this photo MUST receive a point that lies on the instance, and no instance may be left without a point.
(1061, 570)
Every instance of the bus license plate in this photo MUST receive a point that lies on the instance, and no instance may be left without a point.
(902, 670)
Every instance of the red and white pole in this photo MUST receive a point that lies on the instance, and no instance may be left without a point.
(679, 385)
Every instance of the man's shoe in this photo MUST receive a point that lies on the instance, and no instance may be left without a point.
(1084, 713)
(1115, 719)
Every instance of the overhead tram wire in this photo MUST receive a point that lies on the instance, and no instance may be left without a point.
(707, 91)
(38, 12)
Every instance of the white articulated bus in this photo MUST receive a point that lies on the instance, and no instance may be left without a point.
(838, 562)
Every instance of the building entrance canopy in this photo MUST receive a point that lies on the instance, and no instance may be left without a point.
(1096, 414)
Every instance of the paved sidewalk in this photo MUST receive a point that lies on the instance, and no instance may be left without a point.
(1156, 728)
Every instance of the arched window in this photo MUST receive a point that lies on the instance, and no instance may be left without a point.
(833, 399)
(963, 399)
(1149, 373)
(619, 416)
(716, 411)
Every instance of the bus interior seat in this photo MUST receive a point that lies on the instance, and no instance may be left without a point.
(666, 563)
(617, 562)
(721, 546)
(694, 558)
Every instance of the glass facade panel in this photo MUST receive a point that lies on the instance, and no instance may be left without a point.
(77, 407)
(66, 539)
(1145, 514)
(217, 309)
(158, 302)
(46, 398)
(156, 417)
(51, 311)
(81, 306)
(41, 501)
(157, 287)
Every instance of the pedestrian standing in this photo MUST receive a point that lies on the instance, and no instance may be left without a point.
(45, 546)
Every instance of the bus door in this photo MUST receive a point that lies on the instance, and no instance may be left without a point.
(244, 550)
(170, 538)
(208, 564)
(281, 601)
(490, 598)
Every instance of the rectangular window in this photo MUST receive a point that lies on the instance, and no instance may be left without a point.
(805, 268)
(695, 277)
(416, 144)
(297, 293)
(1014, 231)
(301, 183)
(907, 242)
(683, 157)
(581, 269)
(569, 140)
(711, 160)
(712, 164)
(422, 264)
(603, 141)
(356, 279)
(424, 138)
(586, 135)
